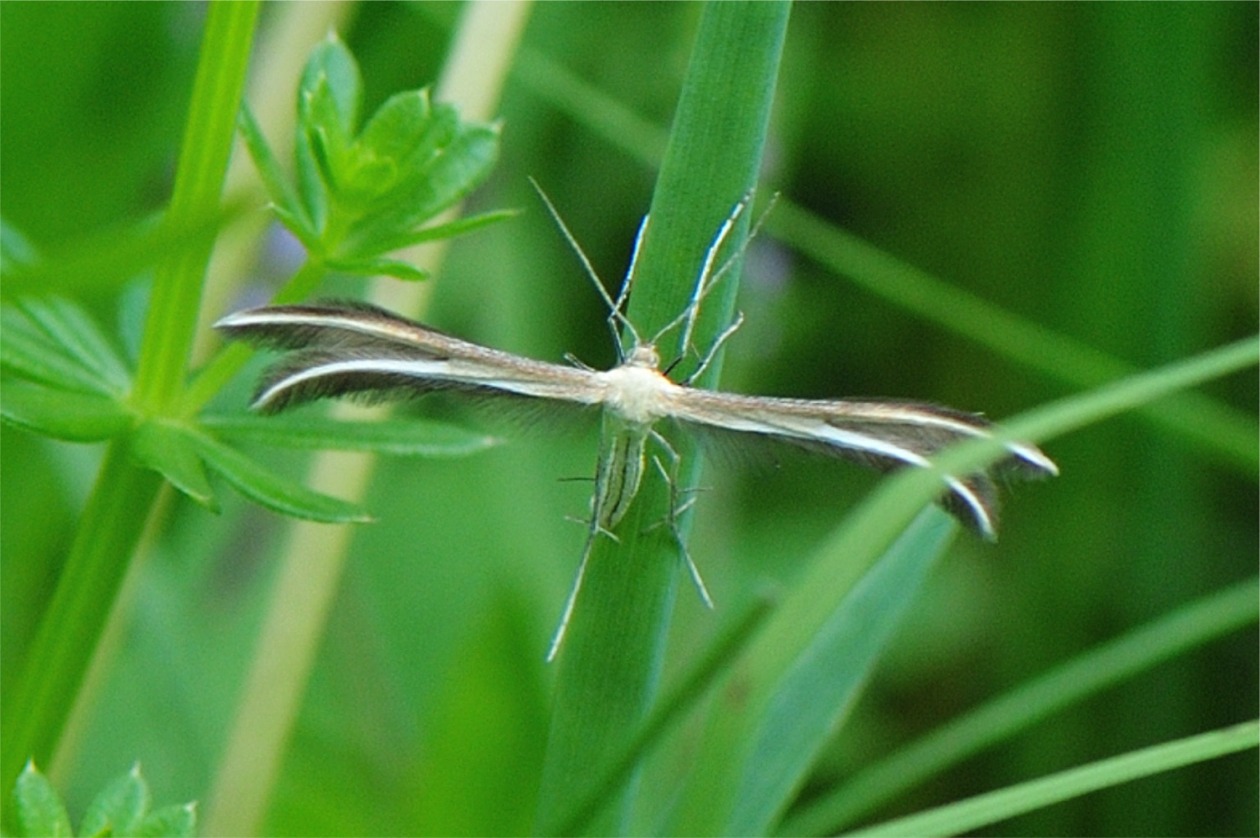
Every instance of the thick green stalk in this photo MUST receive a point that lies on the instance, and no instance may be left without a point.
(611, 660)
(207, 145)
(36, 710)
(39, 701)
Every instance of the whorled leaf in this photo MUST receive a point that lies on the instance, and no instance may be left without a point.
(179, 821)
(37, 806)
(277, 493)
(62, 414)
(283, 196)
(400, 437)
(172, 452)
(119, 807)
(361, 194)
(52, 341)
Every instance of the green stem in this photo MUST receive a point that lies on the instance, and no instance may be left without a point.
(207, 145)
(36, 710)
(39, 701)
(612, 658)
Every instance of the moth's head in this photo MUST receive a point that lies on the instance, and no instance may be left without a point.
(644, 355)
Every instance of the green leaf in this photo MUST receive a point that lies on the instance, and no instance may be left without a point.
(332, 66)
(287, 204)
(16, 250)
(118, 808)
(403, 128)
(311, 189)
(983, 810)
(815, 665)
(68, 326)
(1004, 717)
(449, 230)
(40, 811)
(53, 341)
(379, 267)
(304, 229)
(403, 437)
(62, 414)
(448, 176)
(272, 491)
(329, 140)
(179, 821)
(365, 177)
(27, 353)
(172, 452)
(822, 679)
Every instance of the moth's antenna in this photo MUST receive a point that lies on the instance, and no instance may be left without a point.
(708, 278)
(628, 282)
(614, 307)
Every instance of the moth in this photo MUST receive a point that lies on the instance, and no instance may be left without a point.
(349, 349)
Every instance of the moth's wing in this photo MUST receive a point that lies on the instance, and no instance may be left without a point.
(368, 353)
(329, 324)
(877, 434)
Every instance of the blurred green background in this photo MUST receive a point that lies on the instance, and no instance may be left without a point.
(1090, 167)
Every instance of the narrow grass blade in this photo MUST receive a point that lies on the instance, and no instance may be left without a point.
(995, 807)
(1190, 626)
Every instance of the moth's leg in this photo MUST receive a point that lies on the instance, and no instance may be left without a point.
(556, 639)
(677, 507)
(617, 476)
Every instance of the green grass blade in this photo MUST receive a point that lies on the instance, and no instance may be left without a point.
(690, 689)
(825, 679)
(729, 746)
(612, 656)
(995, 807)
(1190, 626)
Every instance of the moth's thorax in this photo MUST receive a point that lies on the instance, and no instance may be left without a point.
(636, 390)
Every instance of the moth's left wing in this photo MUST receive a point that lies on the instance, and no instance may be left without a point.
(882, 434)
